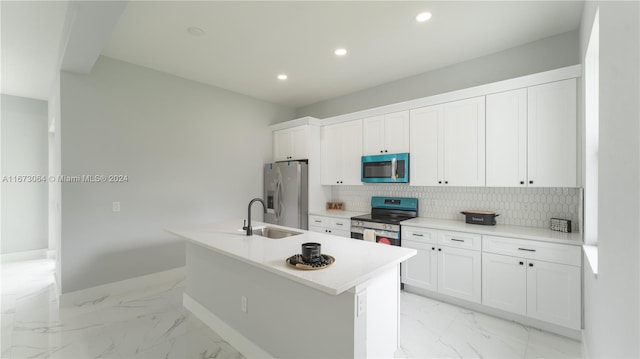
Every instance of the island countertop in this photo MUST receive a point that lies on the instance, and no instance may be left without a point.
(356, 261)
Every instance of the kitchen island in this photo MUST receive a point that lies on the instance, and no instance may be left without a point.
(243, 289)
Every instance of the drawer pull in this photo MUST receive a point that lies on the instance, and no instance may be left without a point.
(457, 240)
(521, 263)
(339, 224)
(417, 234)
(317, 221)
(526, 249)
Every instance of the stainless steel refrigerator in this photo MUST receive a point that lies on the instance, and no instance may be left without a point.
(286, 193)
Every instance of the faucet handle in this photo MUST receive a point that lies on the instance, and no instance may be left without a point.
(244, 224)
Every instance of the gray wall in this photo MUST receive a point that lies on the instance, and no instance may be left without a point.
(612, 301)
(546, 54)
(192, 153)
(24, 153)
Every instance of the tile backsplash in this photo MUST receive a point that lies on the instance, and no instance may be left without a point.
(530, 207)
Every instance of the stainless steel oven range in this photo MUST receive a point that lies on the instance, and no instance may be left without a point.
(383, 223)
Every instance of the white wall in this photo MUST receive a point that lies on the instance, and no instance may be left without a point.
(542, 55)
(192, 153)
(612, 300)
(24, 153)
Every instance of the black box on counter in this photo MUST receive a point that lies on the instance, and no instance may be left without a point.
(480, 217)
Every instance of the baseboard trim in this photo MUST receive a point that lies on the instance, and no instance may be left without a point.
(121, 287)
(245, 346)
(25, 256)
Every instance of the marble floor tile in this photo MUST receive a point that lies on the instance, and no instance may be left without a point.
(150, 322)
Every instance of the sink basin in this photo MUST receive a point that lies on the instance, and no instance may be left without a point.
(271, 232)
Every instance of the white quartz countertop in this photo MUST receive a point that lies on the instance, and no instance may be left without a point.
(356, 261)
(500, 230)
(336, 213)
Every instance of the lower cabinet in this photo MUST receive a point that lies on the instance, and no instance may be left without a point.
(446, 269)
(421, 270)
(541, 290)
(330, 225)
(539, 280)
(459, 273)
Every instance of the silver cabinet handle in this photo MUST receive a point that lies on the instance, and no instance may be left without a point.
(526, 249)
(317, 221)
(417, 234)
(339, 224)
(457, 240)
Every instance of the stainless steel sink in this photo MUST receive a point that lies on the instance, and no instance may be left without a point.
(271, 232)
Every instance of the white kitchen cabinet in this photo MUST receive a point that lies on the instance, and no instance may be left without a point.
(450, 269)
(504, 284)
(531, 136)
(552, 134)
(330, 225)
(542, 282)
(341, 153)
(291, 143)
(386, 133)
(553, 293)
(448, 144)
(459, 273)
(506, 155)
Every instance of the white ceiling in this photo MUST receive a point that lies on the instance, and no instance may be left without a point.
(246, 44)
(31, 42)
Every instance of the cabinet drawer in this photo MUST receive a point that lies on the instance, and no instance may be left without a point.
(319, 221)
(341, 223)
(544, 251)
(461, 240)
(420, 235)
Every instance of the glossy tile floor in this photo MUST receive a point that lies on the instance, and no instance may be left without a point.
(151, 323)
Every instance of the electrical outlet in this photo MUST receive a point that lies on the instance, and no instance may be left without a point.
(361, 302)
(115, 206)
(244, 302)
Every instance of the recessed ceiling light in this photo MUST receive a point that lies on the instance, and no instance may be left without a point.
(282, 77)
(195, 31)
(423, 16)
(340, 52)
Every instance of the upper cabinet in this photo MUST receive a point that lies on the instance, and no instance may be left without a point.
(291, 143)
(341, 153)
(386, 134)
(448, 144)
(531, 136)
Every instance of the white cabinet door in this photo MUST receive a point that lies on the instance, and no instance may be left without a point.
(506, 153)
(330, 162)
(300, 143)
(373, 135)
(291, 143)
(426, 145)
(396, 131)
(341, 153)
(553, 293)
(504, 283)
(552, 134)
(386, 134)
(351, 152)
(421, 270)
(464, 142)
(459, 273)
(281, 145)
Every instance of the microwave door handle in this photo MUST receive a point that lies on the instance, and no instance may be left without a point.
(394, 168)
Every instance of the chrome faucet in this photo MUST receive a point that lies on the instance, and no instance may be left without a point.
(247, 227)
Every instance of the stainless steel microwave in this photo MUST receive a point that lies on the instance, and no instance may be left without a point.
(393, 168)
